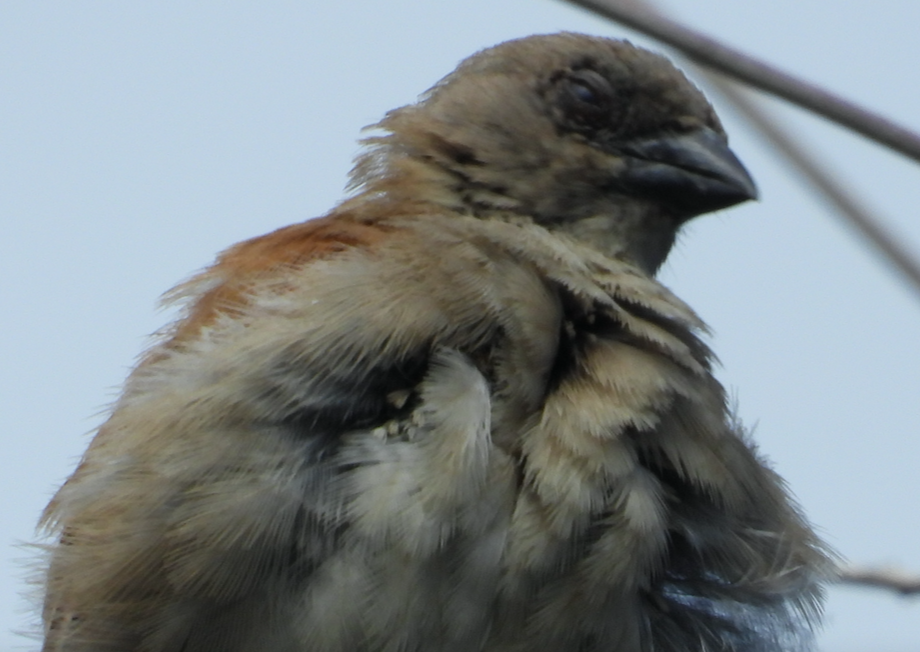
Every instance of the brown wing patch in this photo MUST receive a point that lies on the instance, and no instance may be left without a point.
(229, 281)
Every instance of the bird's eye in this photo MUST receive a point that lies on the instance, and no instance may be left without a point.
(583, 92)
(586, 98)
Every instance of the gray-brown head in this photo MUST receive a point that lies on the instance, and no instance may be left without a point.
(587, 135)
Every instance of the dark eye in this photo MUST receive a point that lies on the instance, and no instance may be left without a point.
(583, 92)
(586, 98)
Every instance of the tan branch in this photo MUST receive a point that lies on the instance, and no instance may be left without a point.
(884, 578)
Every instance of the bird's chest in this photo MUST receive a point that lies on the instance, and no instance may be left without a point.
(587, 526)
(511, 508)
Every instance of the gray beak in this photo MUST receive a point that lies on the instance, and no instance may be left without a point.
(694, 173)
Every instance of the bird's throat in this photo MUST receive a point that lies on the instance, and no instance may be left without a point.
(638, 234)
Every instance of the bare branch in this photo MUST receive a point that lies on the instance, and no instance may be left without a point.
(883, 578)
(733, 63)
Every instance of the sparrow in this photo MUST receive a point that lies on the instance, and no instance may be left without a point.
(457, 413)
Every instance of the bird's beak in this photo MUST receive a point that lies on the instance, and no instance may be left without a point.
(694, 172)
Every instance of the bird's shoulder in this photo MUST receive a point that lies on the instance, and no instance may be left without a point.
(225, 286)
(360, 288)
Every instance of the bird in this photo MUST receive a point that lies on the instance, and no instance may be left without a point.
(458, 412)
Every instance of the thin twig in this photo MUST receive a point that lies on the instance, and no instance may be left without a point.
(883, 578)
(734, 63)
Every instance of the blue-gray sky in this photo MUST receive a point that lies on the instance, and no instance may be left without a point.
(139, 139)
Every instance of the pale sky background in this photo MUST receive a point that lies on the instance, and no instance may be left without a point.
(137, 139)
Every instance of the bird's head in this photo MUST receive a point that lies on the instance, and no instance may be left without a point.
(591, 136)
